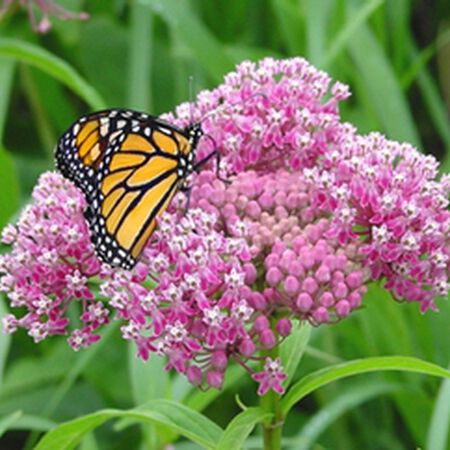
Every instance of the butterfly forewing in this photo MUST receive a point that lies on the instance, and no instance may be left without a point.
(129, 166)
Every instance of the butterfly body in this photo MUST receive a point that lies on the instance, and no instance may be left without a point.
(129, 165)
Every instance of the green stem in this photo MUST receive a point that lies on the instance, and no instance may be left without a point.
(270, 402)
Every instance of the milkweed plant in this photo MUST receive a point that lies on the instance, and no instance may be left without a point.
(312, 213)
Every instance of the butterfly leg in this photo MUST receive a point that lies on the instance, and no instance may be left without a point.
(188, 191)
(215, 153)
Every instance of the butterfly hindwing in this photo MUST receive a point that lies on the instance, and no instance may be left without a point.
(129, 166)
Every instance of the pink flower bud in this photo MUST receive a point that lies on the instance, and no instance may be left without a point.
(284, 327)
(266, 200)
(343, 308)
(323, 274)
(194, 375)
(261, 323)
(247, 347)
(310, 285)
(354, 299)
(271, 261)
(354, 280)
(291, 285)
(250, 273)
(219, 360)
(326, 299)
(304, 302)
(320, 315)
(257, 301)
(267, 338)
(340, 290)
(214, 379)
(273, 276)
(253, 210)
(296, 269)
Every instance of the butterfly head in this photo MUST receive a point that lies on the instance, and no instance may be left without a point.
(195, 132)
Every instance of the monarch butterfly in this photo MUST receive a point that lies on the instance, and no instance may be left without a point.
(129, 165)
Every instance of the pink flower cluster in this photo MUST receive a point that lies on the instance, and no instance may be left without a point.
(305, 272)
(47, 8)
(312, 213)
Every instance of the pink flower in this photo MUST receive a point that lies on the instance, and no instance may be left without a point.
(312, 213)
(47, 8)
(271, 377)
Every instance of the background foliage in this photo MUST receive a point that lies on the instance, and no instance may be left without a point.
(395, 55)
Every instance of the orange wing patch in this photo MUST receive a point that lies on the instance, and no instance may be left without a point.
(152, 169)
(165, 143)
(125, 161)
(111, 181)
(145, 208)
(119, 211)
(183, 143)
(139, 245)
(136, 142)
(85, 131)
(111, 201)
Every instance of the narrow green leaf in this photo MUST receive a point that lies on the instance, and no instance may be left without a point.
(140, 54)
(292, 349)
(382, 87)
(5, 341)
(52, 65)
(346, 401)
(175, 416)
(240, 428)
(6, 422)
(32, 422)
(342, 39)
(291, 23)
(9, 188)
(7, 68)
(317, 15)
(327, 375)
(440, 421)
(205, 49)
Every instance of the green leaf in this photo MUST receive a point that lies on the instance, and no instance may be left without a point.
(291, 23)
(52, 65)
(140, 54)
(342, 39)
(327, 375)
(382, 87)
(177, 417)
(5, 341)
(440, 420)
(240, 428)
(317, 14)
(6, 422)
(9, 188)
(292, 349)
(7, 68)
(102, 44)
(346, 401)
(204, 48)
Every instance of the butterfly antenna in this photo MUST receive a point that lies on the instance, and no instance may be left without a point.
(191, 98)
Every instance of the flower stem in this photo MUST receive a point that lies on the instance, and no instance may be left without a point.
(272, 428)
(270, 402)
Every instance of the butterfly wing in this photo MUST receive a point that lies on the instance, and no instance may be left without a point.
(128, 166)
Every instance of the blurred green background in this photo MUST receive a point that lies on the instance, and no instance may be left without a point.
(394, 54)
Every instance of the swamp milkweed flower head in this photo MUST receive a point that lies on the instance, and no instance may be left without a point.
(313, 212)
(46, 9)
